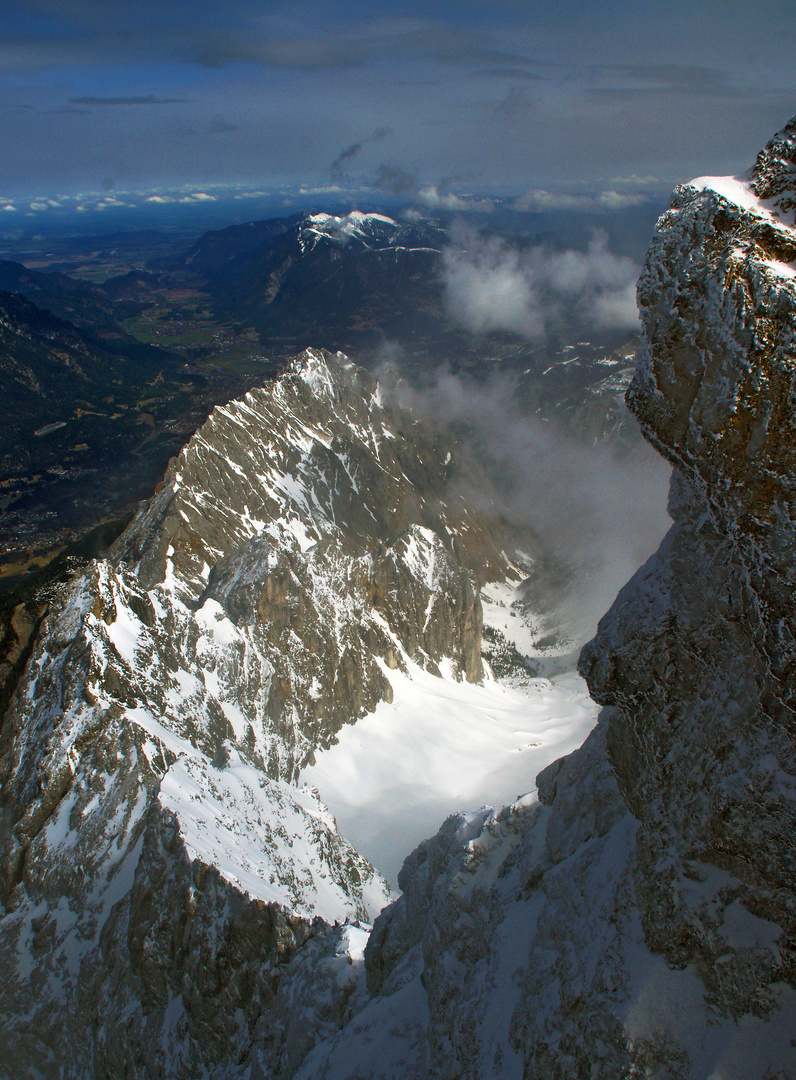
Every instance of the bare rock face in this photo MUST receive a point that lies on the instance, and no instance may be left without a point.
(637, 919)
(159, 868)
(698, 657)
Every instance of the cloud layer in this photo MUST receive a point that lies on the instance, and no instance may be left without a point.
(490, 285)
(503, 94)
(598, 512)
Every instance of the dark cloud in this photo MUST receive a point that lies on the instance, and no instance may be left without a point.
(656, 79)
(513, 73)
(516, 105)
(394, 180)
(339, 167)
(630, 92)
(219, 126)
(672, 74)
(366, 46)
(149, 99)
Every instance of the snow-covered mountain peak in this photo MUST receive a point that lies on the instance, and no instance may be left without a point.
(768, 190)
(773, 176)
(356, 225)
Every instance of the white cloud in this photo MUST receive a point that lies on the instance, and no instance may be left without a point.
(598, 510)
(435, 200)
(198, 197)
(537, 199)
(638, 181)
(614, 200)
(490, 286)
(328, 189)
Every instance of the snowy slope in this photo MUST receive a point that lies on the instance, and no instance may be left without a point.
(439, 747)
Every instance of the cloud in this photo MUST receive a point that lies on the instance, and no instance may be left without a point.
(149, 99)
(487, 288)
(359, 44)
(219, 126)
(539, 200)
(435, 199)
(686, 78)
(506, 73)
(598, 512)
(638, 181)
(327, 189)
(516, 105)
(394, 180)
(339, 167)
(493, 286)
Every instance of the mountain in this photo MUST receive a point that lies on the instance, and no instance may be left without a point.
(375, 288)
(212, 253)
(74, 446)
(356, 281)
(92, 308)
(161, 866)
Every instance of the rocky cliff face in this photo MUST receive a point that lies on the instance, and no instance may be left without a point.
(159, 866)
(638, 918)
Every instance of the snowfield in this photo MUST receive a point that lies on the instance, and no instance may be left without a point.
(442, 747)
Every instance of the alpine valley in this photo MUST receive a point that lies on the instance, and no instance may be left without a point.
(325, 604)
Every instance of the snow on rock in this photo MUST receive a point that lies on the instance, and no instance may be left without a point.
(275, 843)
(342, 230)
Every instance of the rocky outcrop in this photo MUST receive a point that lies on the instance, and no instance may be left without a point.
(697, 660)
(637, 919)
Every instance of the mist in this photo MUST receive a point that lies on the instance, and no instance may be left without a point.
(491, 285)
(595, 512)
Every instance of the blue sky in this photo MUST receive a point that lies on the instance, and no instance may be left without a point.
(445, 97)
